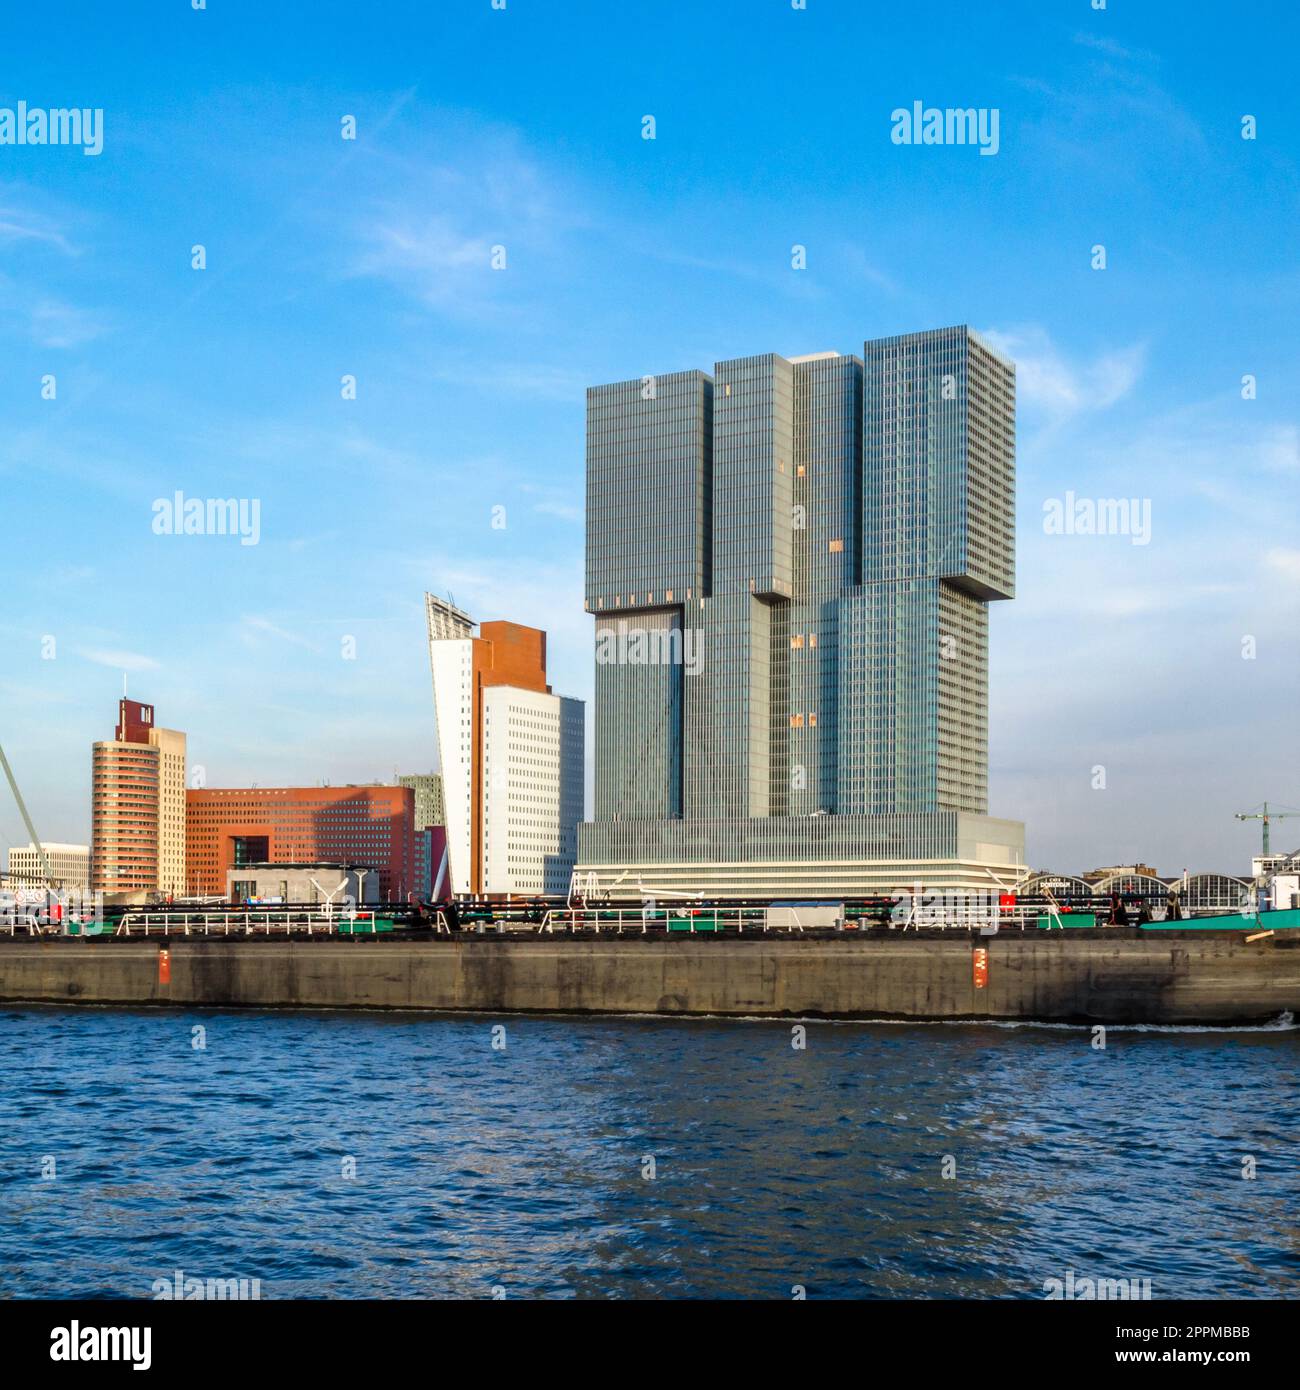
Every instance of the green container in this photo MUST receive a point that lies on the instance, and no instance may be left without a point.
(1067, 919)
(380, 924)
(706, 921)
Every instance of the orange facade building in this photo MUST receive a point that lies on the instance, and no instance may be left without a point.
(464, 666)
(227, 827)
(137, 806)
(511, 755)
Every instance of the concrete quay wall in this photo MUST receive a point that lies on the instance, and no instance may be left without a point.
(1199, 977)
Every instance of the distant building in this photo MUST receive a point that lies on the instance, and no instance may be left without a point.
(274, 885)
(511, 753)
(427, 786)
(137, 808)
(1120, 870)
(231, 828)
(431, 834)
(69, 866)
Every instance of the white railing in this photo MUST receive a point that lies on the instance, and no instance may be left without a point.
(640, 920)
(257, 923)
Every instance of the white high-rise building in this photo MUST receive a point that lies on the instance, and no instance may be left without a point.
(511, 753)
(451, 656)
(532, 790)
(171, 809)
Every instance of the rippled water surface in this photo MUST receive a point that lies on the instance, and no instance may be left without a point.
(525, 1169)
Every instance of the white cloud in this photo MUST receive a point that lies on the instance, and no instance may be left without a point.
(119, 660)
(1283, 562)
(532, 381)
(425, 248)
(254, 627)
(1280, 449)
(565, 511)
(1050, 384)
(58, 325)
(21, 224)
(501, 198)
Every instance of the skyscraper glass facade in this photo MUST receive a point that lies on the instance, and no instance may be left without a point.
(823, 535)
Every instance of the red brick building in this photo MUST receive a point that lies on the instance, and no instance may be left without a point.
(230, 826)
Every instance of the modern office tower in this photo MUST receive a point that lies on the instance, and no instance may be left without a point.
(138, 806)
(431, 834)
(69, 866)
(511, 753)
(789, 564)
(231, 827)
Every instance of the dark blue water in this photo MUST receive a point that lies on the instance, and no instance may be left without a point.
(522, 1170)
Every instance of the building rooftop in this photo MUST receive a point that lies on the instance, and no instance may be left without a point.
(311, 864)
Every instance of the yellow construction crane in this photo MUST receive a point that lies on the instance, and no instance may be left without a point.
(1265, 815)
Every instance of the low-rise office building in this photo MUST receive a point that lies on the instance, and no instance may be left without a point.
(336, 885)
(69, 866)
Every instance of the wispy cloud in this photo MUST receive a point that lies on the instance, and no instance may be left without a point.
(564, 510)
(529, 380)
(1280, 449)
(117, 659)
(1108, 46)
(18, 224)
(254, 629)
(1284, 563)
(864, 268)
(1057, 387)
(58, 325)
(506, 205)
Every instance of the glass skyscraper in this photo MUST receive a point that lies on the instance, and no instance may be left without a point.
(790, 565)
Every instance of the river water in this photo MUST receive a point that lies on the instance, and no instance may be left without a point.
(398, 1156)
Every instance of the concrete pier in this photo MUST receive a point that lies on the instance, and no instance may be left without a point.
(1102, 977)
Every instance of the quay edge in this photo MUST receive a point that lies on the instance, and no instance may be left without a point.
(1196, 977)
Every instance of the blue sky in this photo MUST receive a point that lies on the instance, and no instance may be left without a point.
(522, 128)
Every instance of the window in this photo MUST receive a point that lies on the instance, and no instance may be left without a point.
(836, 546)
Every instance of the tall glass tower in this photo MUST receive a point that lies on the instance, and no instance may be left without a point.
(790, 565)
